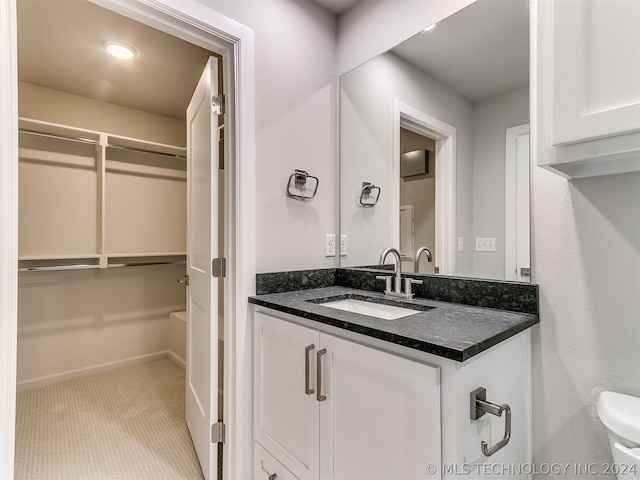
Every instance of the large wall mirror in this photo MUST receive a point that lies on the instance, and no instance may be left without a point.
(434, 147)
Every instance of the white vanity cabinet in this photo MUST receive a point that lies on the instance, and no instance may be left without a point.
(325, 407)
(588, 85)
(379, 410)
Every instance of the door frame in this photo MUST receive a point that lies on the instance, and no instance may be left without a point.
(207, 28)
(512, 173)
(8, 231)
(411, 118)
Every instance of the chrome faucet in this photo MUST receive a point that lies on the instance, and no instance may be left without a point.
(416, 265)
(397, 287)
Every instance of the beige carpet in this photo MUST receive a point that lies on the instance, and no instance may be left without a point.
(126, 424)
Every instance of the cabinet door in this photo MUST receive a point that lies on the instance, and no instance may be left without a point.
(596, 69)
(265, 467)
(286, 417)
(588, 85)
(381, 416)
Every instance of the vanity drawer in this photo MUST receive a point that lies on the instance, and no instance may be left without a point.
(265, 467)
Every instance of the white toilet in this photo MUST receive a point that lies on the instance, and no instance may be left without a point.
(621, 415)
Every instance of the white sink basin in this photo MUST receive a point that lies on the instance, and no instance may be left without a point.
(378, 310)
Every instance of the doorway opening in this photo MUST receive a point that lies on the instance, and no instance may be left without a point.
(75, 338)
(444, 136)
(417, 198)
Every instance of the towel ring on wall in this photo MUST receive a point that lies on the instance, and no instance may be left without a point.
(480, 406)
(366, 195)
(299, 178)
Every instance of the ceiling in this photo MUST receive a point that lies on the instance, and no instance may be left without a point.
(480, 52)
(337, 6)
(60, 47)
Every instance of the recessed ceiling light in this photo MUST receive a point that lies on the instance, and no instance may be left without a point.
(120, 50)
(431, 27)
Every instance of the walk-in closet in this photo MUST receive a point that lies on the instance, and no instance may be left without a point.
(102, 346)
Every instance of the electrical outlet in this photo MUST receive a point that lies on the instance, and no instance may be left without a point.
(485, 244)
(330, 245)
(461, 244)
(343, 245)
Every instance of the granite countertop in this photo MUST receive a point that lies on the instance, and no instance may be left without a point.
(449, 330)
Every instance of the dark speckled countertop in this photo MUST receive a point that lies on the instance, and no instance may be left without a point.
(451, 330)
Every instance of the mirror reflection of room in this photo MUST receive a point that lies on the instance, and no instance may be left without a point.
(471, 74)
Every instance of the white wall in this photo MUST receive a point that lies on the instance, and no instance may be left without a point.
(366, 148)
(586, 259)
(491, 118)
(296, 102)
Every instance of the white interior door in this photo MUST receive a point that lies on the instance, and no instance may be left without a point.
(202, 246)
(517, 234)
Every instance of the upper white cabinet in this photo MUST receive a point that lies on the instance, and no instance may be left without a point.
(588, 79)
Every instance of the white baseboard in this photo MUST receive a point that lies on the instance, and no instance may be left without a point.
(177, 359)
(83, 372)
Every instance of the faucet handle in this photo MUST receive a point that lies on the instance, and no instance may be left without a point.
(387, 279)
(408, 281)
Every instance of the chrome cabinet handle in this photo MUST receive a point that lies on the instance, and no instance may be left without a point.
(307, 350)
(319, 395)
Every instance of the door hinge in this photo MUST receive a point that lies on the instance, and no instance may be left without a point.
(218, 432)
(219, 267)
(217, 104)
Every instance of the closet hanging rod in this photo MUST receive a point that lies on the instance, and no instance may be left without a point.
(144, 150)
(143, 264)
(57, 267)
(52, 268)
(59, 137)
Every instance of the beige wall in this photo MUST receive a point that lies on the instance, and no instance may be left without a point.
(78, 322)
(54, 106)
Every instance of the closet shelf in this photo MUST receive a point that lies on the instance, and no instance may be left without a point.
(64, 132)
(84, 262)
(121, 199)
(45, 256)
